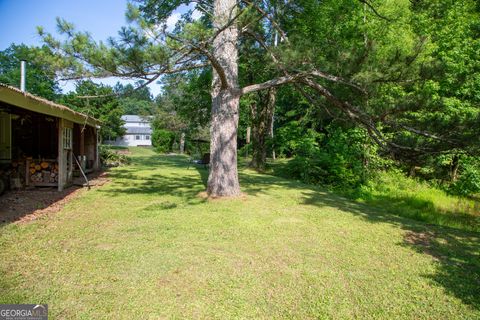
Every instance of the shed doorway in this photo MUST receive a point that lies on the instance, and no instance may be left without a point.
(5, 137)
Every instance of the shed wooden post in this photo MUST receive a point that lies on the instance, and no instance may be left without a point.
(97, 151)
(82, 141)
(62, 170)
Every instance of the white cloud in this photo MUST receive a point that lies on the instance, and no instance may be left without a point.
(196, 14)
(172, 20)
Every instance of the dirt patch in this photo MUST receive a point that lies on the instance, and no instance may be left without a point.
(27, 205)
(204, 195)
(423, 242)
(419, 238)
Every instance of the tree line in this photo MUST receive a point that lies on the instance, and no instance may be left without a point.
(344, 87)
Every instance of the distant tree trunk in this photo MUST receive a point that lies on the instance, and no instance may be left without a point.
(223, 177)
(272, 100)
(249, 129)
(454, 168)
(259, 151)
(412, 171)
(262, 117)
(182, 142)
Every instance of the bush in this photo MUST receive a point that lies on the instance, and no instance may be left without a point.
(112, 158)
(341, 158)
(469, 181)
(417, 199)
(163, 140)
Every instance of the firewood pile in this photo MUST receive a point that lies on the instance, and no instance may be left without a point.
(43, 172)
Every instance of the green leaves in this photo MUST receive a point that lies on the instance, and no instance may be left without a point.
(40, 78)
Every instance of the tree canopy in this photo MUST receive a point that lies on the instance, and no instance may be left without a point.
(402, 75)
(40, 79)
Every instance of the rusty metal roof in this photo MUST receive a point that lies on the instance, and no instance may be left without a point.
(25, 100)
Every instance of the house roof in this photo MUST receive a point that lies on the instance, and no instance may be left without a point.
(28, 101)
(138, 130)
(136, 118)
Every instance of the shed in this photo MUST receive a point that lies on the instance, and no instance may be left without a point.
(40, 138)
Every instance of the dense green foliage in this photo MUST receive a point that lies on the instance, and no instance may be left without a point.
(395, 81)
(398, 84)
(112, 156)
(40, 80)
(339, 158)
(183, 108)
(422, 86)
(136, 100)
(98, 101)
(163, 140)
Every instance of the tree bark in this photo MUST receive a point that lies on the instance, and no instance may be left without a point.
(223, 177)
(272, 99)
(262, 117)
(454, 168)
(182, 142)
(258, 134)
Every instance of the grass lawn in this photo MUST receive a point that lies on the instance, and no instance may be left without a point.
(145, 246)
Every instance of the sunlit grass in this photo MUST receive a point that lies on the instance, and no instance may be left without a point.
(407, 197)
(145, 246)
(416, 199)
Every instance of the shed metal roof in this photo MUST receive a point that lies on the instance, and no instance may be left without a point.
(28, 101)
(136, 118)
(138, 130)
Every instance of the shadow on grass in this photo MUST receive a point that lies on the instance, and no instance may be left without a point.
(457, 252)
(127, 180)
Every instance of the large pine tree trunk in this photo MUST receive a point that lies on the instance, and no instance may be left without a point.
(223, 177)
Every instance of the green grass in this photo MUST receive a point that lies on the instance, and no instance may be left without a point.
(107, 146)
(145, 246)
(407, 197)
(419, 200)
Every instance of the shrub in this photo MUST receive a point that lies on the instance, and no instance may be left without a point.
(469, 181)
(111, 157)
(163, 140)
(339, 158)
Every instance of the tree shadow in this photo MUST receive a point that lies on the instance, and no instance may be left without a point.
(127, 180)
(456, 252)
(203, 172)
(185, 187)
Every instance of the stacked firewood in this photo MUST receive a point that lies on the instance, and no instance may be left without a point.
(43, 172)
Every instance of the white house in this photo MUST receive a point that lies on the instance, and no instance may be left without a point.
(139, 132)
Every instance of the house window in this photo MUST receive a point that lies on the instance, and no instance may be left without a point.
(137, 137)
(147, 137)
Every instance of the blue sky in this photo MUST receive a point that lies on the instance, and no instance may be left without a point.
(102, 18)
